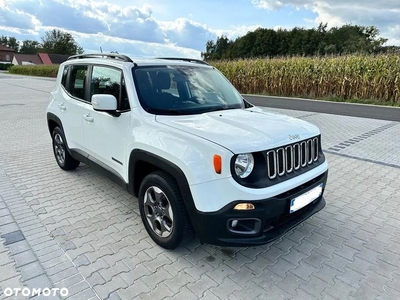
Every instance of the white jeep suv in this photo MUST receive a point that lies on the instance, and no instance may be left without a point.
(201, 159)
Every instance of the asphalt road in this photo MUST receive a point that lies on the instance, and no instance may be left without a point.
(335, 108)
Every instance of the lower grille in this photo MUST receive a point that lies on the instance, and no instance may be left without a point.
(285, 160)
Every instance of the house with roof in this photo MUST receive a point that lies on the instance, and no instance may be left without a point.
(6, 55)
(39, 59)
(53, 59)
(26, 59)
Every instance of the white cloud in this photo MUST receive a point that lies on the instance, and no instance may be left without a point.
(16, 18)
(11, 30)
(236, 31)
(187, 33)
(93, 42)
(137, 30)
(105, 19)
(273, 4)
(394, 34)
(384, 14)
(277, 27)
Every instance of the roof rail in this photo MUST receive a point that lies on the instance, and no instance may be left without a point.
(99, 55)
(199, 61)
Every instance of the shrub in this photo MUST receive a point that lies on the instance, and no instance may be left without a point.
(35, 70)
(5, 66)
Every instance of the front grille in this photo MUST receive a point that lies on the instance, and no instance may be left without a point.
(291, 158)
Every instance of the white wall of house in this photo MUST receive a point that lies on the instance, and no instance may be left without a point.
(24, 63)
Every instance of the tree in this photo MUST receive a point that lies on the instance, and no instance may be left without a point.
(30, 47)
(299, 42)
(10, 42)
(243, 46)
(58, 42)
(210, 50)
(265, 43)
(218, 50)
(13, 43)
(3, 40)
(221, 47)
(372, 33)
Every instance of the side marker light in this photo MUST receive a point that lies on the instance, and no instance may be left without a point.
(217, 164)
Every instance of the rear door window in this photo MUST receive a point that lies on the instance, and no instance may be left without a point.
(77, 81)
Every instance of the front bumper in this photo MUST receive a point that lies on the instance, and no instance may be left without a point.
(269, 220)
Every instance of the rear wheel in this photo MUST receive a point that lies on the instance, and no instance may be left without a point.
(61, 153)
(162, 210)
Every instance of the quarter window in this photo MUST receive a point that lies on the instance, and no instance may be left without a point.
(110, 81)
(64, 76)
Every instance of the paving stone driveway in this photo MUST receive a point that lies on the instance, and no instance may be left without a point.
(80, 231)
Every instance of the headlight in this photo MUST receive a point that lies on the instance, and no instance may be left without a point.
(244, 164)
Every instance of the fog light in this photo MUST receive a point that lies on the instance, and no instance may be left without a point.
(234, 223)
(244, 206)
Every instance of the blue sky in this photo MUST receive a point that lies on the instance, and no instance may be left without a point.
(182, 27)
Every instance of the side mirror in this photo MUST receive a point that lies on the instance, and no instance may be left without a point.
(104, 102)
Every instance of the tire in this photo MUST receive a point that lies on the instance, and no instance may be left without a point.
(163, 211)
(61, 152)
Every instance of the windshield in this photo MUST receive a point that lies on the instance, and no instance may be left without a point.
(181, 90)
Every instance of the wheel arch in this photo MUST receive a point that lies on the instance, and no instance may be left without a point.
(52, 122)
(142, 163)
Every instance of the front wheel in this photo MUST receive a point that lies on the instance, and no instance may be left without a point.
(162, 210)
(61, 153)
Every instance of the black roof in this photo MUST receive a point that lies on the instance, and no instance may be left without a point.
(58, 58)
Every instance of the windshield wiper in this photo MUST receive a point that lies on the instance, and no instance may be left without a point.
(217, 108)
(166, 111)
(190, 111)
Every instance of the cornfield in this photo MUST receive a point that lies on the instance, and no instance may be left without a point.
(373, 78)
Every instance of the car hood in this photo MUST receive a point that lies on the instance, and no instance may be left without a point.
(243, 130)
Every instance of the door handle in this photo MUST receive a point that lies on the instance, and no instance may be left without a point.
(62, 106)
(88, 118)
